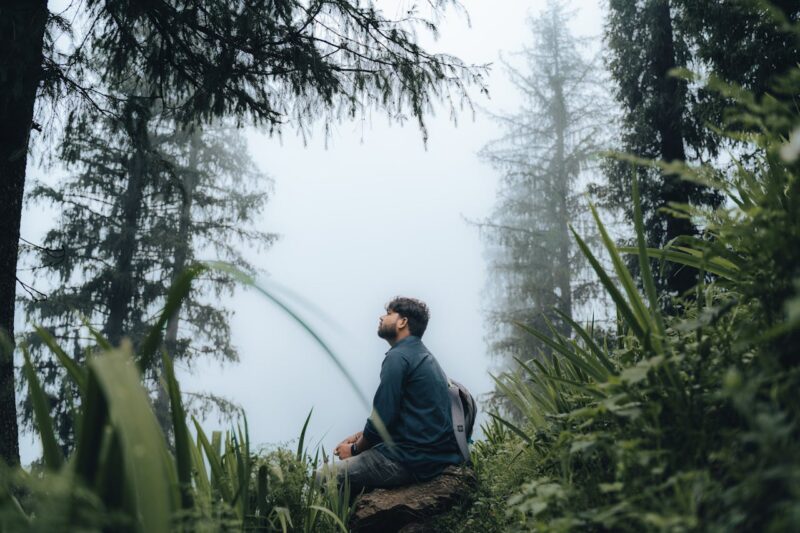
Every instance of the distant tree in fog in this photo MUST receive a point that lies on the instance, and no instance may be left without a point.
(544, 156)
(145, 198)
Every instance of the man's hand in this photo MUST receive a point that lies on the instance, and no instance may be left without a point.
(349, 440)
(342, 451)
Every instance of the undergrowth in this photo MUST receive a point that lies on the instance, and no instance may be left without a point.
(686, 422)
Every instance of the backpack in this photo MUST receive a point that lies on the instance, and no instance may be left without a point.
(464, 409)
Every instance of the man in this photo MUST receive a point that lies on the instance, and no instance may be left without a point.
(409, 436)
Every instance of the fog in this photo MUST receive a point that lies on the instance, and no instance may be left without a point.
(368, 213)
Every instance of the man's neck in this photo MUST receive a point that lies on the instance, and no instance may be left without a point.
(400, 336)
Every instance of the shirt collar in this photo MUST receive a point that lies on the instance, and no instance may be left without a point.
(403, 342)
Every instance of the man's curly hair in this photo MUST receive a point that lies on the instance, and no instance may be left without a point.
(415, 311)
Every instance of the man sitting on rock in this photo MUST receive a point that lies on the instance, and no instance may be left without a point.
(412, 405)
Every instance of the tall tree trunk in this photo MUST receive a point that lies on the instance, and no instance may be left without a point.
(670, 129)
(561, 189)
(121, 293)
(22, 26)
(181, 254)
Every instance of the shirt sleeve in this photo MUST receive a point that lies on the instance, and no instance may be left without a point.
(386, 404)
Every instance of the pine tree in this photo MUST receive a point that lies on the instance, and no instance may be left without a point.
(146, 197)
(660, 121)
(664, 117)
(544, 154)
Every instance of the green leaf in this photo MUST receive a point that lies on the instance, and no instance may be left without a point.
(102, 342)
(597, 372)
(50, 450)
(75, 371)
(183, 455)
(622, 305)
(249, 281)
(219, 477)
(177, 293)
(92, 432)
(589, 341)
(303, 437)
(644, 267)
(624, 275)
(692, 258)
(149, 478)
(336, 519)
(512, 427)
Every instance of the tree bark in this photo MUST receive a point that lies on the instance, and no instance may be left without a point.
(670, 129)
(22, 26)
(560, 189)
(181, 254)
(121, 292)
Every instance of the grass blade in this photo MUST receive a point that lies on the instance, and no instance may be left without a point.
(102, 342)
(75, 371)
(218, 475)
(248, 280)
(303, 436)
(683, 256)
(149, 479)
(623, 274)
(177, 293)
(50, 450)
(623, 308)
(512, 427)
(91, 434)
(590, 342)
(336, 519)
(183, 455)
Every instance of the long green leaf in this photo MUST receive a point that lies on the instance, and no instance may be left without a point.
(110, 470)
(336, 519)
(682, 257)
(644, 267)
(215, 463)
(177, 293)
(200, 474)
(149, 479)
(50, 450)
(512, 427)
(572, 357)
(623, 274)
(303, 436)
(102, 342)
(590, 342)
(92, 432)
(183, 455)
(523, 404)
(622, 305)
(248, 280)
(75, 371)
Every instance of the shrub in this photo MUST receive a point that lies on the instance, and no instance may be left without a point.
(687, 422)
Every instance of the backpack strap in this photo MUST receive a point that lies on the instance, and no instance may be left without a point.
(459, 424)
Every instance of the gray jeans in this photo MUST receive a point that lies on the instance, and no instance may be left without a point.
(367, 470)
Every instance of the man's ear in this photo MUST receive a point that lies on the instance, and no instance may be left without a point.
(402, 324)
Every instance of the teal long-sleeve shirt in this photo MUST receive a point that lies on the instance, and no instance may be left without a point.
(413, 403)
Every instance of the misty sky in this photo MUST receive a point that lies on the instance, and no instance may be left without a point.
(372, 215)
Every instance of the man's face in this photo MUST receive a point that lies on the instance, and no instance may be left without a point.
(390, 324)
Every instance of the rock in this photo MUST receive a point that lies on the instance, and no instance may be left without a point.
(406, 509)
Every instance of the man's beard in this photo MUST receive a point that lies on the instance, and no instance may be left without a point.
(387, 332)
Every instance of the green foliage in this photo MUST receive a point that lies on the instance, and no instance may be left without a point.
(679, 422)
(123, 476)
